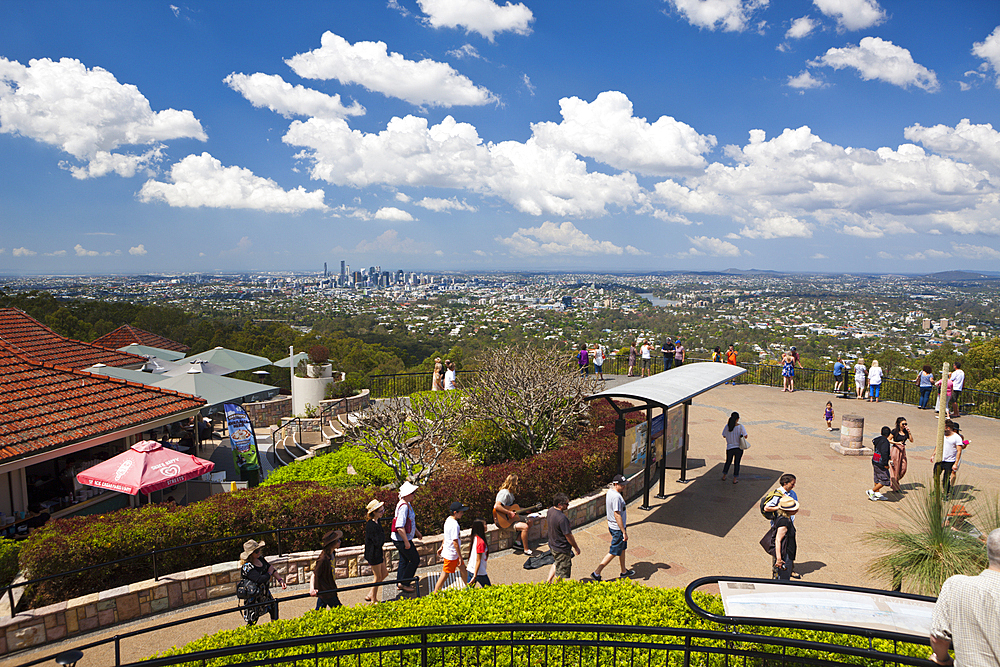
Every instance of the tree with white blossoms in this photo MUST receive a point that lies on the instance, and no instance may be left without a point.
(409, 434)
(533, 393)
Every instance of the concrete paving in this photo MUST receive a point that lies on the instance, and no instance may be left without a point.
(706, 526)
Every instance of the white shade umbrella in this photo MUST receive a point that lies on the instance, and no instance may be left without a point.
(216, 389)
(149, 351)
(231, 359)
(291, 361)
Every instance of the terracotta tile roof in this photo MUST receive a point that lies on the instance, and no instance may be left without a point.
(27, 336)
(44, 406)
(126, 334)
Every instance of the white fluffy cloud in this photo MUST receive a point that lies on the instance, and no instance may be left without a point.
(83, 252)
(23, 252)
(804, 81)
(706, 245)
(969, 251)
(201, 180)
(273, 92)
(482, 16)
(989, 50)
(390, 242)
(409, 152)
(729, 15)
(394, 214)
(369, 64)
(790, 184)
(606, 130)
(138, 250)
(801, 27)
(435, 204)
(875, 58)
(86, 113)
(852, 14)
(978, 145)
(562, 239)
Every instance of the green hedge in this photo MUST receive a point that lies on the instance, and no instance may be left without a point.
(9, 567)
(331, 470)
(618, 602)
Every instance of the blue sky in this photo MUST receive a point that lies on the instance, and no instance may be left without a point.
(800, 135)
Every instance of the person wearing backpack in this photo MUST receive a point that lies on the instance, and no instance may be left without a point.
(769, 503)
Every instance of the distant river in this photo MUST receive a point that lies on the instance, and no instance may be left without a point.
(657, 301)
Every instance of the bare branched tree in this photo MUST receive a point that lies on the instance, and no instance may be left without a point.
(408, 435)
(533, 393)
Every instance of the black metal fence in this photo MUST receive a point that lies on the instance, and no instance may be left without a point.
(544, 645)
(985, 403)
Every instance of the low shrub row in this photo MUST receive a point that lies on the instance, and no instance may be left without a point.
(69, 544)
(618, 603)
(9, 566)
(332, 470)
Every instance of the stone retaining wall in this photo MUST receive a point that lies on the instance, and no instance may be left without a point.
(270, 412)
(144, 598)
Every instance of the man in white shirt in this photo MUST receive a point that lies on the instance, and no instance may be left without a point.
(451, 546)
(615, 508)
(957, 384)
(967, 615)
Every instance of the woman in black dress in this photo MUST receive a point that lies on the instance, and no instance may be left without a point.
(374, 540)
(255, 575)
(784, 538)
(323, 583)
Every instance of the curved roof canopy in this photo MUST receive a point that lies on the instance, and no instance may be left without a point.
(673, 387)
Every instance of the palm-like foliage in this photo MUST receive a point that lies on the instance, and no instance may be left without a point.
(919, 556)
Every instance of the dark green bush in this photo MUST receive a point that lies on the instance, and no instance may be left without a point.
(9, 567)
(331, 470)
(619, 603)
(482, 443)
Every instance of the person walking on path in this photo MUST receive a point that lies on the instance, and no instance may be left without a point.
(632, 352)
(374, 541)
(255, 574)
(668, 355)
(967, 615)
(874, 381)
(404, 530)
(505, 499)
(787, 372)
(925, 381)
(785, 547)
(838, 374)
(795, 358)
(323, 581)
(451, 546)
(897, 455)
(615, 509)
(647, 358)
(599, 361)
(479, 555)
(562, 544)
(951, 457)
(957, 384)
(880, 464)
(860, 377)
(583, 358)
(678, 353)
(733, 431)
(828, 416)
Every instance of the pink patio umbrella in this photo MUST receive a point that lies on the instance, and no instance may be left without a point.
(146, 466)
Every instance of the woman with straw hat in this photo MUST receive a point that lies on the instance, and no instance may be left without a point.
(784, 538)
(374, 540)
(255, 575)
(323, 583)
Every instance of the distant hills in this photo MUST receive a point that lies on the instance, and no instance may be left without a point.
(958, 276)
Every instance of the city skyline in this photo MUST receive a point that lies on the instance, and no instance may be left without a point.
(832, 136)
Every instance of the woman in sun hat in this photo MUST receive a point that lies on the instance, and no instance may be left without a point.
(257, 573)
(404, 530)
(374, 539)
(784, 538)
(323, 583)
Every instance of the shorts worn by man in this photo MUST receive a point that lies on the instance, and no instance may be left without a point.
(967, 615)
(562, 544)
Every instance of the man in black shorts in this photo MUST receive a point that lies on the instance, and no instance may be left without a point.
(561, 539)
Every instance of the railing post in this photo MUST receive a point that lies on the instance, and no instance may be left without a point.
(156, 576)
(687, 651)
(118, 651)
(10, 596)
(280, 550)
(423, 649)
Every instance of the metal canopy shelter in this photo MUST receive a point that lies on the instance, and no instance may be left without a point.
(678, 386)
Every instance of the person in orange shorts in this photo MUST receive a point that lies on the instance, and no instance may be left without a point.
(451, 546)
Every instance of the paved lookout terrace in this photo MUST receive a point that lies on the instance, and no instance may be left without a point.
(706, 526)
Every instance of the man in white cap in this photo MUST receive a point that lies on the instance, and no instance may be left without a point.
(404, 530)
(615, 507)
